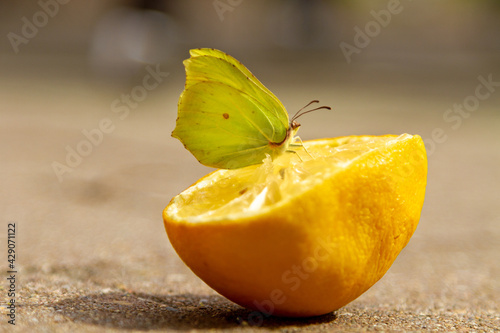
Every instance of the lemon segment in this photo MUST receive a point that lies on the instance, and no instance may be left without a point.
(306, 233)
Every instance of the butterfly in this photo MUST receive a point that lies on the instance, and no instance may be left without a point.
(226, 117)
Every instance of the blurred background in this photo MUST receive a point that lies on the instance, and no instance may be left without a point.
(88, 94)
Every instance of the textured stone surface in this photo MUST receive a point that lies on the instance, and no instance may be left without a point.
(92, 251)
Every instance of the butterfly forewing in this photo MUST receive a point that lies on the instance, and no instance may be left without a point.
(213, 53)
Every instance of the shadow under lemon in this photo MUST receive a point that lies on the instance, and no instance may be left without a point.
(131, 310)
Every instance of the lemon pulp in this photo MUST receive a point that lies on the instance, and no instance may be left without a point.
(254, 188)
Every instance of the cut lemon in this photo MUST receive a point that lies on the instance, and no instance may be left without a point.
(303, 235)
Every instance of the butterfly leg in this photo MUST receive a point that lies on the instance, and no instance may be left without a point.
(301, 144)
(296, 153)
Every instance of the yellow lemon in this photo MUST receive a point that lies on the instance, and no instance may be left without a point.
(306, 233)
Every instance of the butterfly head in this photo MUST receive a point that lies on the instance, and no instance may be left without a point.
(292, 129)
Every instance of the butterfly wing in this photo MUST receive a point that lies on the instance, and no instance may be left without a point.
(226, 117)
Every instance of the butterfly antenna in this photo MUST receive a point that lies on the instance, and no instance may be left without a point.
(300, 113)
(296, 113)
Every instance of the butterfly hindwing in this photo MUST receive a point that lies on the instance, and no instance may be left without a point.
(222, 127)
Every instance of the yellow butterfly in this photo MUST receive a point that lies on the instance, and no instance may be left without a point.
(226, 117)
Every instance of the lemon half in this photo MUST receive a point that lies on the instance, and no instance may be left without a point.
(307, 233)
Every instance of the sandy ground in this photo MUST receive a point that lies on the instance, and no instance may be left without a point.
(92, 253)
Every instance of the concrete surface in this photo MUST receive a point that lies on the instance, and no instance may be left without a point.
(92, 254)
